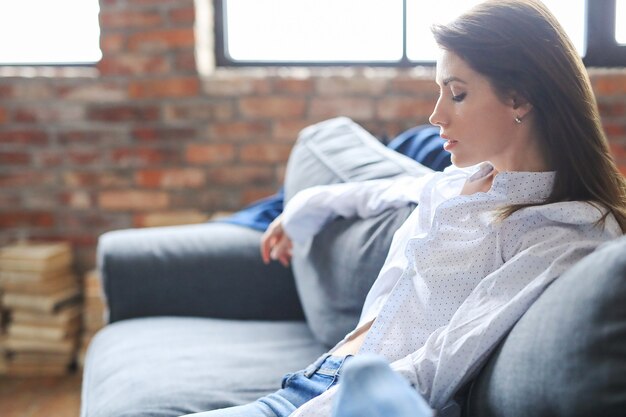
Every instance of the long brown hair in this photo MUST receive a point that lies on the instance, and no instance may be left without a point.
(521, 47)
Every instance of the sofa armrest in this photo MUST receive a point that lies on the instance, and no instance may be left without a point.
(207, 270)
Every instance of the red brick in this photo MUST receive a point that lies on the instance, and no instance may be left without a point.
(92, 137)
(265, 152)
(185, 61)
(93, 92)
(80, 199)
(391, 108)
(239, 131)
(133, 64)
(49, 158)
(42, 200)
(139, 156)
(609, 84)
(33, 89)
(241, 175)
(251, 195)
(288, 130)
(182, 15)
(122, 200)
(112, 42)
(10, 199)
(164, 88)
(129, 19)
(422, 87)
(612, 109)
(123, 113)
(351, 85)
(615, 129)
(162, 40)
(203, 111)
(14, 158)
(94, 179)
(24, 137)
(293, 85)
(235, 86)
(157, 134)
(26, 179)
(272, 107)
(83, 156)
(79, 221)
(203, 154)
(171, 178)
(356, 108)
(169, 218)
(23, 218)
(6, 91)
(618, 150)
(3, 115)
(48, 114)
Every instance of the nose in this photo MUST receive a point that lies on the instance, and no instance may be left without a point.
(437, 117)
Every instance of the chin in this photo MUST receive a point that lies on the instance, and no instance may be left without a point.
(462, 162)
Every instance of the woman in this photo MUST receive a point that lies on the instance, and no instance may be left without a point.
(532, 190)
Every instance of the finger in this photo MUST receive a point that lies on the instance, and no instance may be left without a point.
(266, 247)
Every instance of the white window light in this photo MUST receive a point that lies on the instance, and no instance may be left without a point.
(35, 32)
(353, 30)
(620, 22)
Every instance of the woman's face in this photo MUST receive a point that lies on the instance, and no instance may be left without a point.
(477, 124)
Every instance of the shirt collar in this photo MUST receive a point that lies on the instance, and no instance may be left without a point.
(518, 186)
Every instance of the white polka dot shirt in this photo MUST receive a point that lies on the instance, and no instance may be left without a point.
(455, 279)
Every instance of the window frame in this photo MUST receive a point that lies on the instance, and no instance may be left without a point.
(601, 47)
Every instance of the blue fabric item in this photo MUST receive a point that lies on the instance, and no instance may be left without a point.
(259, 214)
(421, 143)
(371, 388)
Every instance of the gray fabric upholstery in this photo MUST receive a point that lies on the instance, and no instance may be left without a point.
(207, 270)
(339, 150)
(336, 269)
(170, 366)
(566, 357)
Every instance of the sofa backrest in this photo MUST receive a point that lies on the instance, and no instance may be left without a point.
(567, 355)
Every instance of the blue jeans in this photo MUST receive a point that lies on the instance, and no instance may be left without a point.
(297, 388)
(369, 387)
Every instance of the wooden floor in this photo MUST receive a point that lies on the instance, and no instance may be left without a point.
(40, 397)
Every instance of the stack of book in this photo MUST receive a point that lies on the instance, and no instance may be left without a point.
(3, 362)
(94, 311)
(42, 297)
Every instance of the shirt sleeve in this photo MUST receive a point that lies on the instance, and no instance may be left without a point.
(454, 353)
(311, 209)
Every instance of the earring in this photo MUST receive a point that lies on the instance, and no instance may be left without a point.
(518, 120)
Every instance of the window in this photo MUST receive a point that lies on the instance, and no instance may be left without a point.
(620, 22)
(44, 32)
(384, 33)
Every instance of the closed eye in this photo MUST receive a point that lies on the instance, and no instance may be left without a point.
(459, 98)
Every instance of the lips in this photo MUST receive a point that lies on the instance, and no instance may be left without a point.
(449, 144)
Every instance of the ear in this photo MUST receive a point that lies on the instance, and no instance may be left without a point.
(520, 105)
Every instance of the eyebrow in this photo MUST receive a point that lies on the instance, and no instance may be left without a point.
(450, 79)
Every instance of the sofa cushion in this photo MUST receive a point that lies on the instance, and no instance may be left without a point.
(335, 270)
(567, 355)
(170, 366)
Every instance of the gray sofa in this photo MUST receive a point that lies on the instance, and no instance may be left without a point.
(198, 322)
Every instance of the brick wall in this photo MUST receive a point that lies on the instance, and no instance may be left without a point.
(142, 136)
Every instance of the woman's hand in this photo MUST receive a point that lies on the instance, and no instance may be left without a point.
(275, 244)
